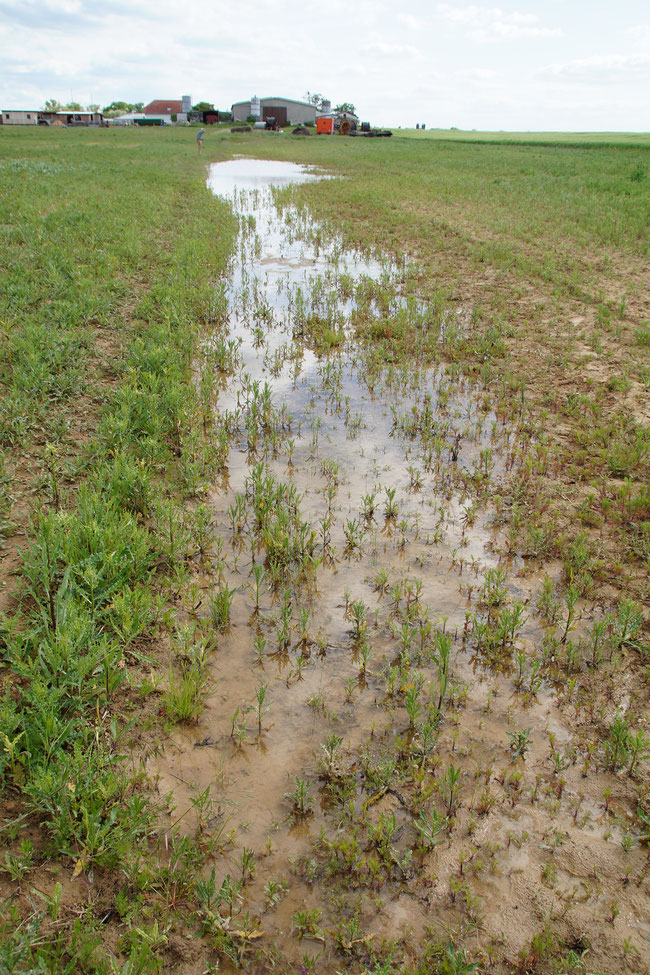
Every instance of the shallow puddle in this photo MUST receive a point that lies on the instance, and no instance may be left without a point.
(354, 495)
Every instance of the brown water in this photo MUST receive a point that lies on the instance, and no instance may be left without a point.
(313, 422)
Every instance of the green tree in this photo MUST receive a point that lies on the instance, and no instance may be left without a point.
(116, 107)
(346, 107)
(92, 107)
(121, 108)
(203, 107)
(72, 107)
(52, 105)
(314, 98)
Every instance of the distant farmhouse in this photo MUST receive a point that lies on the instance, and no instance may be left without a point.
(164, 108)
(165, 111)
(35, 117)
(284, 110)
(161, 111)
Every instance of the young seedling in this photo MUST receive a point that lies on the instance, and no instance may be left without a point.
(220, 604)
(618, 745)
(259, 577)
(274, 891)
(450, 785)
(365, 655)
(247, 866)
(259, 646)
(330, 748)
(639, 750)
(305, 921)
(430, 828)
(412, 701)
(519, 742)
(262, 707)
(300, 798)
(390, 504)
(368, 504)
(358, 612)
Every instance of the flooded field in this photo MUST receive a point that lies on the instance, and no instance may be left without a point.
(385, 770)
(324, 550)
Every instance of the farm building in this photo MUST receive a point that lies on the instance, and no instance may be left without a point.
(51, 118)
(162, 109)
(163, 106)
(11, 117)
(284, 110)
(71, 118)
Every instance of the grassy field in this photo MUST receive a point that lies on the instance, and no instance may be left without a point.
(590, 139)
(548, 248)
(131, 566)
(109, 248)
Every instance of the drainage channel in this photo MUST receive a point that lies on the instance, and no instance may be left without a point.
(349, 550)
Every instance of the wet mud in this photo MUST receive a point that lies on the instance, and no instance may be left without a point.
(353, 560)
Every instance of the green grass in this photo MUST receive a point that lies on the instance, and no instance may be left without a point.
(544, 249)
(539, 207)
(584, 139)
(539, 226)
(109, 250)
(546, 246)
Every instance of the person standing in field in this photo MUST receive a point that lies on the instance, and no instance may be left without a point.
(199, 139)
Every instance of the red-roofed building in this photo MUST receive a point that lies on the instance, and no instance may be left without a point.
(161, 111)
(163, 107)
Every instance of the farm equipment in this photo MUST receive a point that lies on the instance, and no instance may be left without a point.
(344, 124)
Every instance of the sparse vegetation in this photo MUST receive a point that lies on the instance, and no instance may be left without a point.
(328, 604)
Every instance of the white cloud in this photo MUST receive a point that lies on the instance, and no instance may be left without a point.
(409, 21)
(480, 74)
(495, 24)
(414, 61)
(386, 49)
(600, 69)
(639, 36)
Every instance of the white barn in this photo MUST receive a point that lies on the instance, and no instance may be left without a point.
(283, 110)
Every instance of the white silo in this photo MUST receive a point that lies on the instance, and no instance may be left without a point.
(326, 107)
(186, 104)
(255, 107)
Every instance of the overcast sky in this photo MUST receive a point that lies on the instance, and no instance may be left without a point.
(525, 64)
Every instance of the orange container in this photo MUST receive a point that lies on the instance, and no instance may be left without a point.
(324, 126)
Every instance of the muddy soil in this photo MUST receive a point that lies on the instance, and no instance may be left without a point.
(352, 707)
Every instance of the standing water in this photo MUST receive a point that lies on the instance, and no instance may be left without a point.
(348, 564)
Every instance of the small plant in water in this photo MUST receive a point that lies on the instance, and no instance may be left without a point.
(519, 741)
(390, 505)
(300, 798)
(430, 828)
(329, 748)
(220, 603)
(262, 707)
